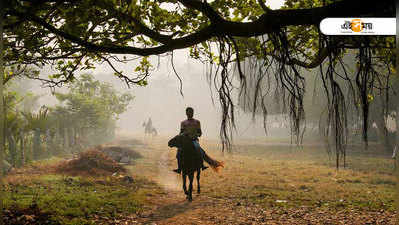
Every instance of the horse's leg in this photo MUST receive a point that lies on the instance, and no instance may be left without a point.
(184, 184)
(190, 187)
(198, 180)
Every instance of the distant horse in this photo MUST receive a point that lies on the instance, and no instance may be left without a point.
(149, 129)
(191, 162)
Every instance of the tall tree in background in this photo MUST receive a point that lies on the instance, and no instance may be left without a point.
(89, 110)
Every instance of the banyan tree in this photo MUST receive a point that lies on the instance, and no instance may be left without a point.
(227, 36)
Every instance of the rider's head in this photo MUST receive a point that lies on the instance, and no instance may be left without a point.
(189, 112)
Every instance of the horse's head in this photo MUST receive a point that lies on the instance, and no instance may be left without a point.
(175, 142)
(181, 141)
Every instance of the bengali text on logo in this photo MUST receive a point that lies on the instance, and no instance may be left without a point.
(358, 26)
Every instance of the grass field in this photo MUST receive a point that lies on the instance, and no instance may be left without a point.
(263, 182)
(306, 177)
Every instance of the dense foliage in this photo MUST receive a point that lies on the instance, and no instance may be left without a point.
(85, 115)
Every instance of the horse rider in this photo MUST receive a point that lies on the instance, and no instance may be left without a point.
(192, 128)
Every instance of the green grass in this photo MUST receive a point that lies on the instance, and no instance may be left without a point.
(76, 200)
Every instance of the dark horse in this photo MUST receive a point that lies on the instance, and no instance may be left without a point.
(191, 162)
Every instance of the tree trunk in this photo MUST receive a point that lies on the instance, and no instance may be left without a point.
(397, 106)
(75, 137)
(396, 140)
(22, 148)
(36, 144)
(70, 137)
(65, 134)
(383, 135)
(49, 143)
(12, 147)
(2, 116)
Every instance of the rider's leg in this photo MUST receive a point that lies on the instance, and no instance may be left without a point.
(178, 157)
(197, 146)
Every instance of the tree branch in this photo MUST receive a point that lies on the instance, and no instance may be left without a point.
(264, 7)
(267, 23)
(203, 7)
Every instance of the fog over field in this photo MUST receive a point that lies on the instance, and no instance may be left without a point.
(161, 99)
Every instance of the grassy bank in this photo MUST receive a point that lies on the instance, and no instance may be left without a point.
(37, 195)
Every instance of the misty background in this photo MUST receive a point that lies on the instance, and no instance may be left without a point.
(161, 99)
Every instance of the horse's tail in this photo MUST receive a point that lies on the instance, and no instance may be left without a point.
(215, 164)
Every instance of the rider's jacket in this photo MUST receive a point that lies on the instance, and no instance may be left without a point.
(191, 127)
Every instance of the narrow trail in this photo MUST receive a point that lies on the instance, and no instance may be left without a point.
(167, 178)
(171, 207)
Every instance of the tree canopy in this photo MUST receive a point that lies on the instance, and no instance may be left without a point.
(91, 108)
(73, 35)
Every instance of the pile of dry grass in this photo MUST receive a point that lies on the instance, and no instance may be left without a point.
(90, 163)
(117, 153)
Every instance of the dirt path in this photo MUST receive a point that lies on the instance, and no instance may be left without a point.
(170, 205)
(167, 178)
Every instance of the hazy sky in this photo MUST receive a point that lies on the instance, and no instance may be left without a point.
(161, 99)
(275, 4)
